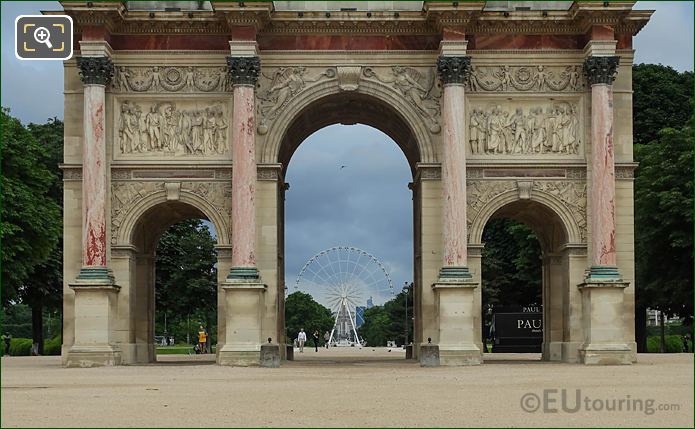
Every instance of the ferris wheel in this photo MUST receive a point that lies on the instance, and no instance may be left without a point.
(347, 280)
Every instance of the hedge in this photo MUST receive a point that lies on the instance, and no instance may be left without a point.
(674, 344)
(22, 346)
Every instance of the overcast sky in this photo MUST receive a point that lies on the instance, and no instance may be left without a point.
(366, 204)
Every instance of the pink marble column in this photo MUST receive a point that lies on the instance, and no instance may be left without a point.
(243, 178)
(453, 71)
(93, 179)
(243, 73)
(602, 177)
(601, 73)
(96, 73)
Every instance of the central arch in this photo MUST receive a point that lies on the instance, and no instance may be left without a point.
(326, 104)
(375, 105)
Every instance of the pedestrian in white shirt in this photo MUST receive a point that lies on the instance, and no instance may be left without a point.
(301, 339)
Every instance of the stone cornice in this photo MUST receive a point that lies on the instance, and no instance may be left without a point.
(435, 16)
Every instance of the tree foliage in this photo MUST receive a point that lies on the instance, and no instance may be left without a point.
(511, 265)
(388, 322)
(664, 216)
(303, 312)
(186, 277)
(662, 98)
(31, 221)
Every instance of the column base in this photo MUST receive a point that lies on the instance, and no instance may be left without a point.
(239, 356)
(94, 275)
(605, 354)
(244, 310)
(92, 356)
(460, 356)
(243, 273)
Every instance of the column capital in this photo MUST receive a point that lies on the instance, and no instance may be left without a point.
(453, 69)
(95, 70)
(601, 69)
(243, 70)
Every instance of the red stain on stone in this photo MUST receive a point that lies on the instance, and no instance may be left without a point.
(96, 246)
(525, 41)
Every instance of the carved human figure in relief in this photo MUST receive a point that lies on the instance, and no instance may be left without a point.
(475, 131)
(153, 122)
(220, 132)
(541, 78)
(407, 80)
(189, 79)
(287, 81)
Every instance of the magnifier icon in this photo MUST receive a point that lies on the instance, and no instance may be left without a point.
(41, 35)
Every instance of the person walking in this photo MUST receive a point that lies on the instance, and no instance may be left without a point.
(202, 339)
(301, 339)
(326, 338)
(316, 340)
(7, 339)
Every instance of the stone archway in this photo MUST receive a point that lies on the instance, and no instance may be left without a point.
(371, 103)
(142, 215)
(556, 212)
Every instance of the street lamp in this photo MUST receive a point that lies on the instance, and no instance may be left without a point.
(405, 288)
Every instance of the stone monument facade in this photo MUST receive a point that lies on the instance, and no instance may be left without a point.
(175, 114)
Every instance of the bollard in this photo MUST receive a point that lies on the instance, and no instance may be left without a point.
(270, 355)
(429, 354)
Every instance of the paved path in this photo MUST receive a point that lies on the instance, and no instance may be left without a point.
(339, 388)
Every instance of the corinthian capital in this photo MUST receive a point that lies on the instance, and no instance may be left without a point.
(95, 70)
(601, 69)
(453, 69)
(243, 70)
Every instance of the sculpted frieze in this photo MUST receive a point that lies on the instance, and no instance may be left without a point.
(169, 79)
(571, 194)
(167, 128)
(278, 87)
(525, 129)
(126, 195)
(525, 78)
(419, 87)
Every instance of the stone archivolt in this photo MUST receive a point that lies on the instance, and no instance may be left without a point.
(570, 194)
(170, 79)
(165, 129)
(550, 128)
(525, 78)
(420, 88)
(126, 195)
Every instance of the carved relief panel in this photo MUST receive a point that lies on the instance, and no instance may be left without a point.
(171, 128)
(525, 78)
(169, 79)
(525, 128)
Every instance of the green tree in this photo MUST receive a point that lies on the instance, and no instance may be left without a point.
(31, 222)
(511, 265)
(377, 327)
(664, 219)
(186, 276)
(43, 290)
(302, 311)
(662, 98)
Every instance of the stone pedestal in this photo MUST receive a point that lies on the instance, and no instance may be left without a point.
(603, 308)
(95, 314)
(429, 355)
(270, 355)
(244, 304)
(456, 306)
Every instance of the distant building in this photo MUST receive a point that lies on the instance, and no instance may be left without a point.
(370, 303)
(359, 316)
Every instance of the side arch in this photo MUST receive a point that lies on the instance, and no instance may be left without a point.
(150, 202)
(272, 143)
(571, 229)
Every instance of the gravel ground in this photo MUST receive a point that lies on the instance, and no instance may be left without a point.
(343, 388)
